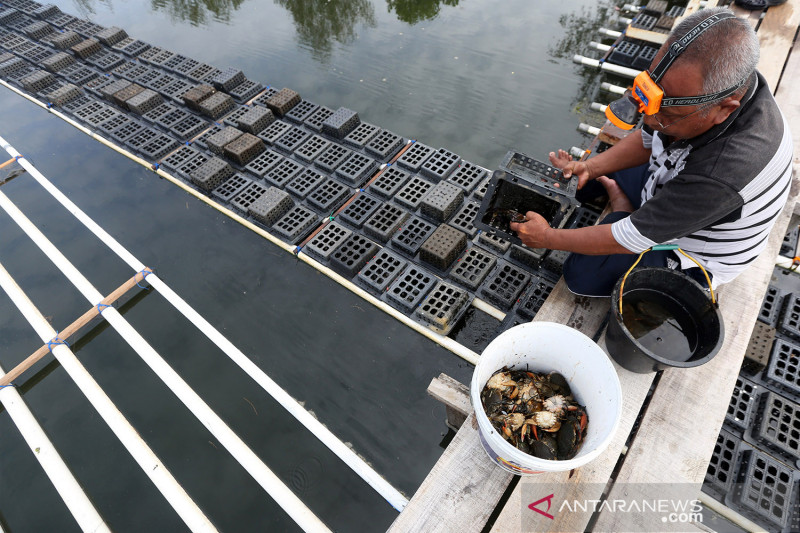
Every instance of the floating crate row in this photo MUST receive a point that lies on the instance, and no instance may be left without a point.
(397, 224)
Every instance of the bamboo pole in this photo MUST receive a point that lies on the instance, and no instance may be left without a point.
(73, 328)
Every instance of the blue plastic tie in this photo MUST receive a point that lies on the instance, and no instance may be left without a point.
(49, 105)
(55, 341)
(103, 306)
(156, 166)
(18, 157)
(9, 385)
(144, 274)
(186, 143)
(297, 249)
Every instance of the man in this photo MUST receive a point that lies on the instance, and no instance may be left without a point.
(710, 178)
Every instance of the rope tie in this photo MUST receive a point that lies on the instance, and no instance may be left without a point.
(55, 341)
(9, 385)
(18, 157)
(146, 272)
(99, 310)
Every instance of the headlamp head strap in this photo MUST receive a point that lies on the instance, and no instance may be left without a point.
(677, 48)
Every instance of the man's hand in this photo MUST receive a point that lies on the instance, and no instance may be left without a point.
(532, 232)
(569, 167)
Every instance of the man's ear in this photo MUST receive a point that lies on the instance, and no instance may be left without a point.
(728, 106)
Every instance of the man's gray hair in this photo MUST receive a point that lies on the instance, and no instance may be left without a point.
(727, 52)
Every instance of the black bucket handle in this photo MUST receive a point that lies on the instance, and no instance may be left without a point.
(665, 247)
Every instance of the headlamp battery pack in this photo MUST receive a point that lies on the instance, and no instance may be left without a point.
(525, 184)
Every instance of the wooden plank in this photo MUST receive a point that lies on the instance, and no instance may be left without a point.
(460, 492)
(679, 429)
(646, 35)
(454, 395)
(752, 16)
(776, 35)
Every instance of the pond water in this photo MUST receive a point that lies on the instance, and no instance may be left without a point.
(477, 77)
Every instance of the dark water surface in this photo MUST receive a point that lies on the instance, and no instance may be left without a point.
(477, 77)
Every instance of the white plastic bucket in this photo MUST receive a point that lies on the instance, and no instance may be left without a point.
(548, 347)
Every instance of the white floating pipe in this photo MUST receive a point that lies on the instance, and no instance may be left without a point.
(610, 33)
(633, 8)
(605, 65)
(596, 106)
(729, 514)
(576, 152)
(625, 21)
(599, 46)
(586, 128)
(490, 310)
(282, 495)
(333, 443)
(611, 88)
(128, 436)
(66, 485)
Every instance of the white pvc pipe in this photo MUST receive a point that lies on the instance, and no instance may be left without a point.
(611, 88)
(339, 448)
(625, 21)
(576, 152)
(605, 65)
(282, 495)
(128, 436)
(599, 46)
(631, 7)
(586, 128)
(729, 514)
(490, 310)
(596, 106)
(66, 485)
(609, 33)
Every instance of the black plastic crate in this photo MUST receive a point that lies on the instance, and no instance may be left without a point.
(232, 118)
(766, 492)
(743, 404)
(232, 187)
(66, 40)
(777, 426)
(554, 261)
(217, 105)
(179, 157)
(159, 147)
(86, 111)
(14, 66)
(467, 176)
(46, 11)
(326, 241)
(530, 257)
(721, 471)
(211, 174)
(86, 48)
(186, 168)
(38, 29)
(64, 94)
(380, 271)
(384, 222)
(356, 169)
(350, 257)
(411, 235)
(759, 348)
(644, 21)
(410, 287)
(385, 145)
(60, 20)
(443, 247)
(194, 96)
(332, 157)
(158, 59)
(255, 120)
(129, 70)
(157, 113)
(144, 102)
(284, 172)
(790, 316)
(265, 96)
(127, 131)
(784, 367)
(624, 53)
(361, 135)
(274, 131)
(473, 267)
(37, 81)
(503, 286)
(317, 118)
(216, 142)
(122, 96)
(264, 163)
(213, 130)
(645, 57)
(790, 242)
(771, 305)
(110, 36)
(113, 123)
(296, 224)
(389, 183)
(142, 137)
(416, 155)
(281, 102)
(244, 149)
(162, 82)
(359, 210)
(440, 164)
(176, 90)
(246, 90)
(340, 123)
(464, 217)
(328, 196)
(413, 192)
(185, 66)
(305, 182)
(270, 206)
(204, 72)
(247, 196)
(443, 307)
(97, 84)
(312, 148)
(534, 297)
(300, 112)
(189, 127)
(441, 201)
(134, 48)
(292, 139)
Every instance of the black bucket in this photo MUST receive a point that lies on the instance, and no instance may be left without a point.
(668, 321)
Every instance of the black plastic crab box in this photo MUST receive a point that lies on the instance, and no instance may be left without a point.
(524, 184)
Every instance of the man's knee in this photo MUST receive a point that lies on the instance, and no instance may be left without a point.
(584, 275)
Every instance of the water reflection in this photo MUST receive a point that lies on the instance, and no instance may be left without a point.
(197, 12)
(319, 24)
(414, 11)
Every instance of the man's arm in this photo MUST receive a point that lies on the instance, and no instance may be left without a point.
(591, 240)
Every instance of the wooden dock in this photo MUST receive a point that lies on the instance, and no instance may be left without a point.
(679, 422)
